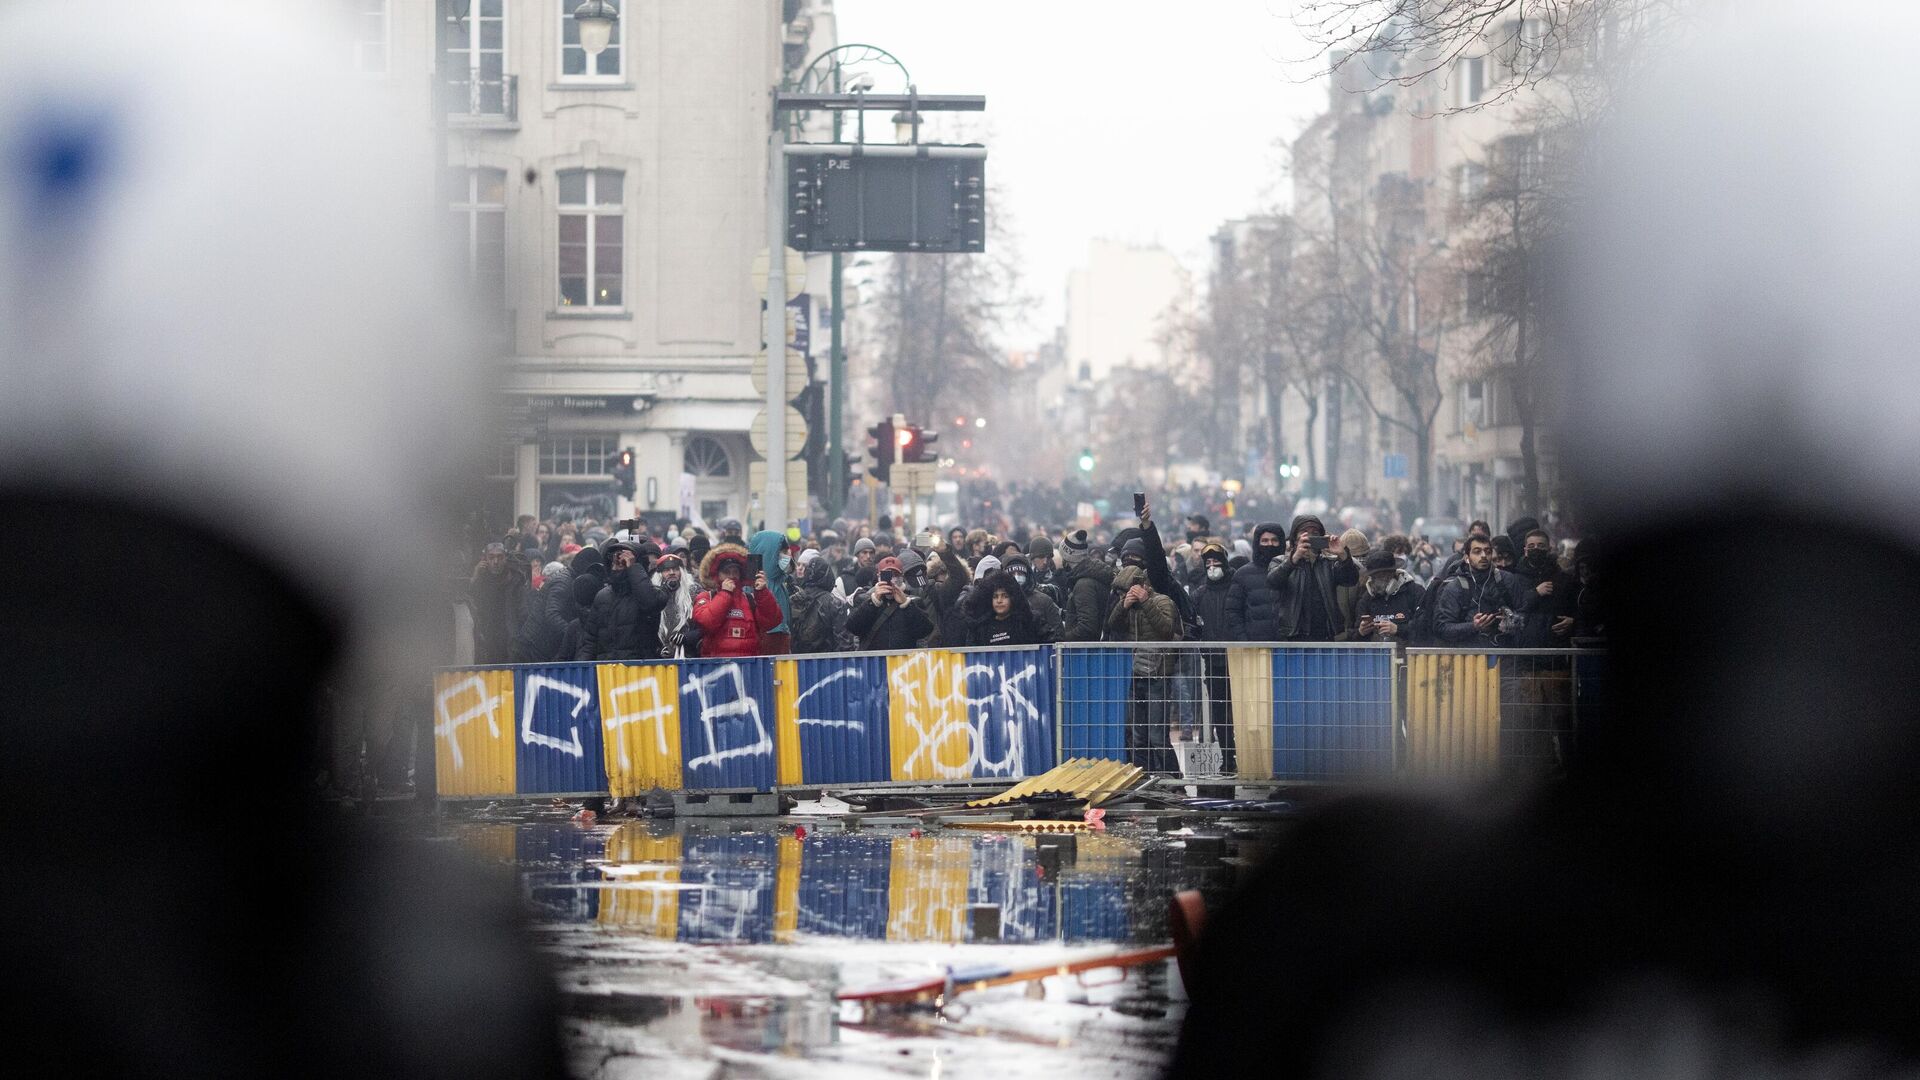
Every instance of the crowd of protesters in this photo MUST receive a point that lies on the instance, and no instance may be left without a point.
(549, 592)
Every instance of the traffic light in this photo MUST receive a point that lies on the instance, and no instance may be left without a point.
(916, 446)
(621, 466)
(1086, 460)
(882, 449)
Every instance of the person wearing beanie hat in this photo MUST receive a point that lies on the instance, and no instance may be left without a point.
(624, 621)
(1301, 584)
(1046, 613)
(1209, 601)
(887, 617)
(858, 574)
(865, 543)
(1388, 598)
(1046, 569)
(679, 634)
(1087, 582)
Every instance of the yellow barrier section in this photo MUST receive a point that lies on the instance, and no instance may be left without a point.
(786, 889)
(1250, 685)
(473, 733)
(643, 869)
(1453, 713)
(927, 888)
(640, 726)
(786, 721)
(927, 703)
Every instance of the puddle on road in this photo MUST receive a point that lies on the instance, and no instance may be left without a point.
(737, 882)
(689, 943)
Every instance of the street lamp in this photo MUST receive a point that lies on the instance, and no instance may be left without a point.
(596, 19)
(906, 127)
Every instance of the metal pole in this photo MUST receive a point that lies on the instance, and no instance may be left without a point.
(773, 501)
(836, 389)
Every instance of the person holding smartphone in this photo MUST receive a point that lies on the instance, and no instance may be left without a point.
(733, 615)
(1385, 609)
(886, 617)
(1303, 582)
(1472, 602)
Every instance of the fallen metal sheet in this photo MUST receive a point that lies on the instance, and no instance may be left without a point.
(1092, 779)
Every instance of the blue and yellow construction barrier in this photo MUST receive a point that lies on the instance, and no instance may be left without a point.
(1306, 712)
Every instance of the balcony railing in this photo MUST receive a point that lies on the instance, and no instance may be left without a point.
(482, 101)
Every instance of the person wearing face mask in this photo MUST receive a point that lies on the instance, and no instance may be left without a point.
(1387, 601)
(1549, 595)
(1253, 606)
(1088, 581)
(679, 634)
(1046, 613)
(776, 561)
(1306, 580)
(623, 622)
(887, 617)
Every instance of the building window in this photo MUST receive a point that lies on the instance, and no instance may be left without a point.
(476, 58)
(1469, 81)
(706, 459)
(367, 29)
(590, 238)
(577, 455)
(575, 64)
(480, 222)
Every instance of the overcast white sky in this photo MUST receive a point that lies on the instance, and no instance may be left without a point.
(1140, 121)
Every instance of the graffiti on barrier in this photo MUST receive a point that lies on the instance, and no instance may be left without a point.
(571, 745)
(850, 672)
(722, 695)
(657, 709)
(954, 713)
(448, 725)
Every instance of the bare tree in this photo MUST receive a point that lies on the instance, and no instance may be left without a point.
(939, 322)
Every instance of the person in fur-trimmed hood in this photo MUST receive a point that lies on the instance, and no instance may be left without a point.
(732, 616)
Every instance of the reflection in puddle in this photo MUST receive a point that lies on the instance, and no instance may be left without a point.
(754, 882)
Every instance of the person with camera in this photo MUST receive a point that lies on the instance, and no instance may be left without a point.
(733, 617)
(885, 617)
(1387, 602)
(1478, 606)
(1303, 581)
(623, 623)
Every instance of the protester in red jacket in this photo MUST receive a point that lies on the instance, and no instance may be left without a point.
(732, 617)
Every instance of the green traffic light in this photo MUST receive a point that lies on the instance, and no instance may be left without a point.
(1086, 462)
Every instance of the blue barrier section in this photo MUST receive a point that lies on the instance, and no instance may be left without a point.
(844, 886)
(557, 748)
(726, 723)
(843, 720)
(1094, 909)
(1010, 700)
(1094, 719)
(569, 892)
(737, 904)
(1332, 713)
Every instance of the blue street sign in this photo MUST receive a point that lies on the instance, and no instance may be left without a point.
(1394, 466)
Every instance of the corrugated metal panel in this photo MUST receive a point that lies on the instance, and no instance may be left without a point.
(640, 716)
(1250, 682)
(473, 745)
(927, 888)
(841, 718)
(737, 870)
(786, 888)
(1094, 779)
(726, 724)
(1010, 706)
(1094, 684)
(1332, 713)
(928, 734)
(844, 881)
(643, 864)
(786, 723)
(1453, 712)
(552, 857)
(558, 706)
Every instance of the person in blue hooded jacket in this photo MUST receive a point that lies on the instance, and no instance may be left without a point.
(776, 561)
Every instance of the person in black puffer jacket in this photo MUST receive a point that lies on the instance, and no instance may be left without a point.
(1088, 580)
(1209, 598)
(1253, 606)
(624, 622)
